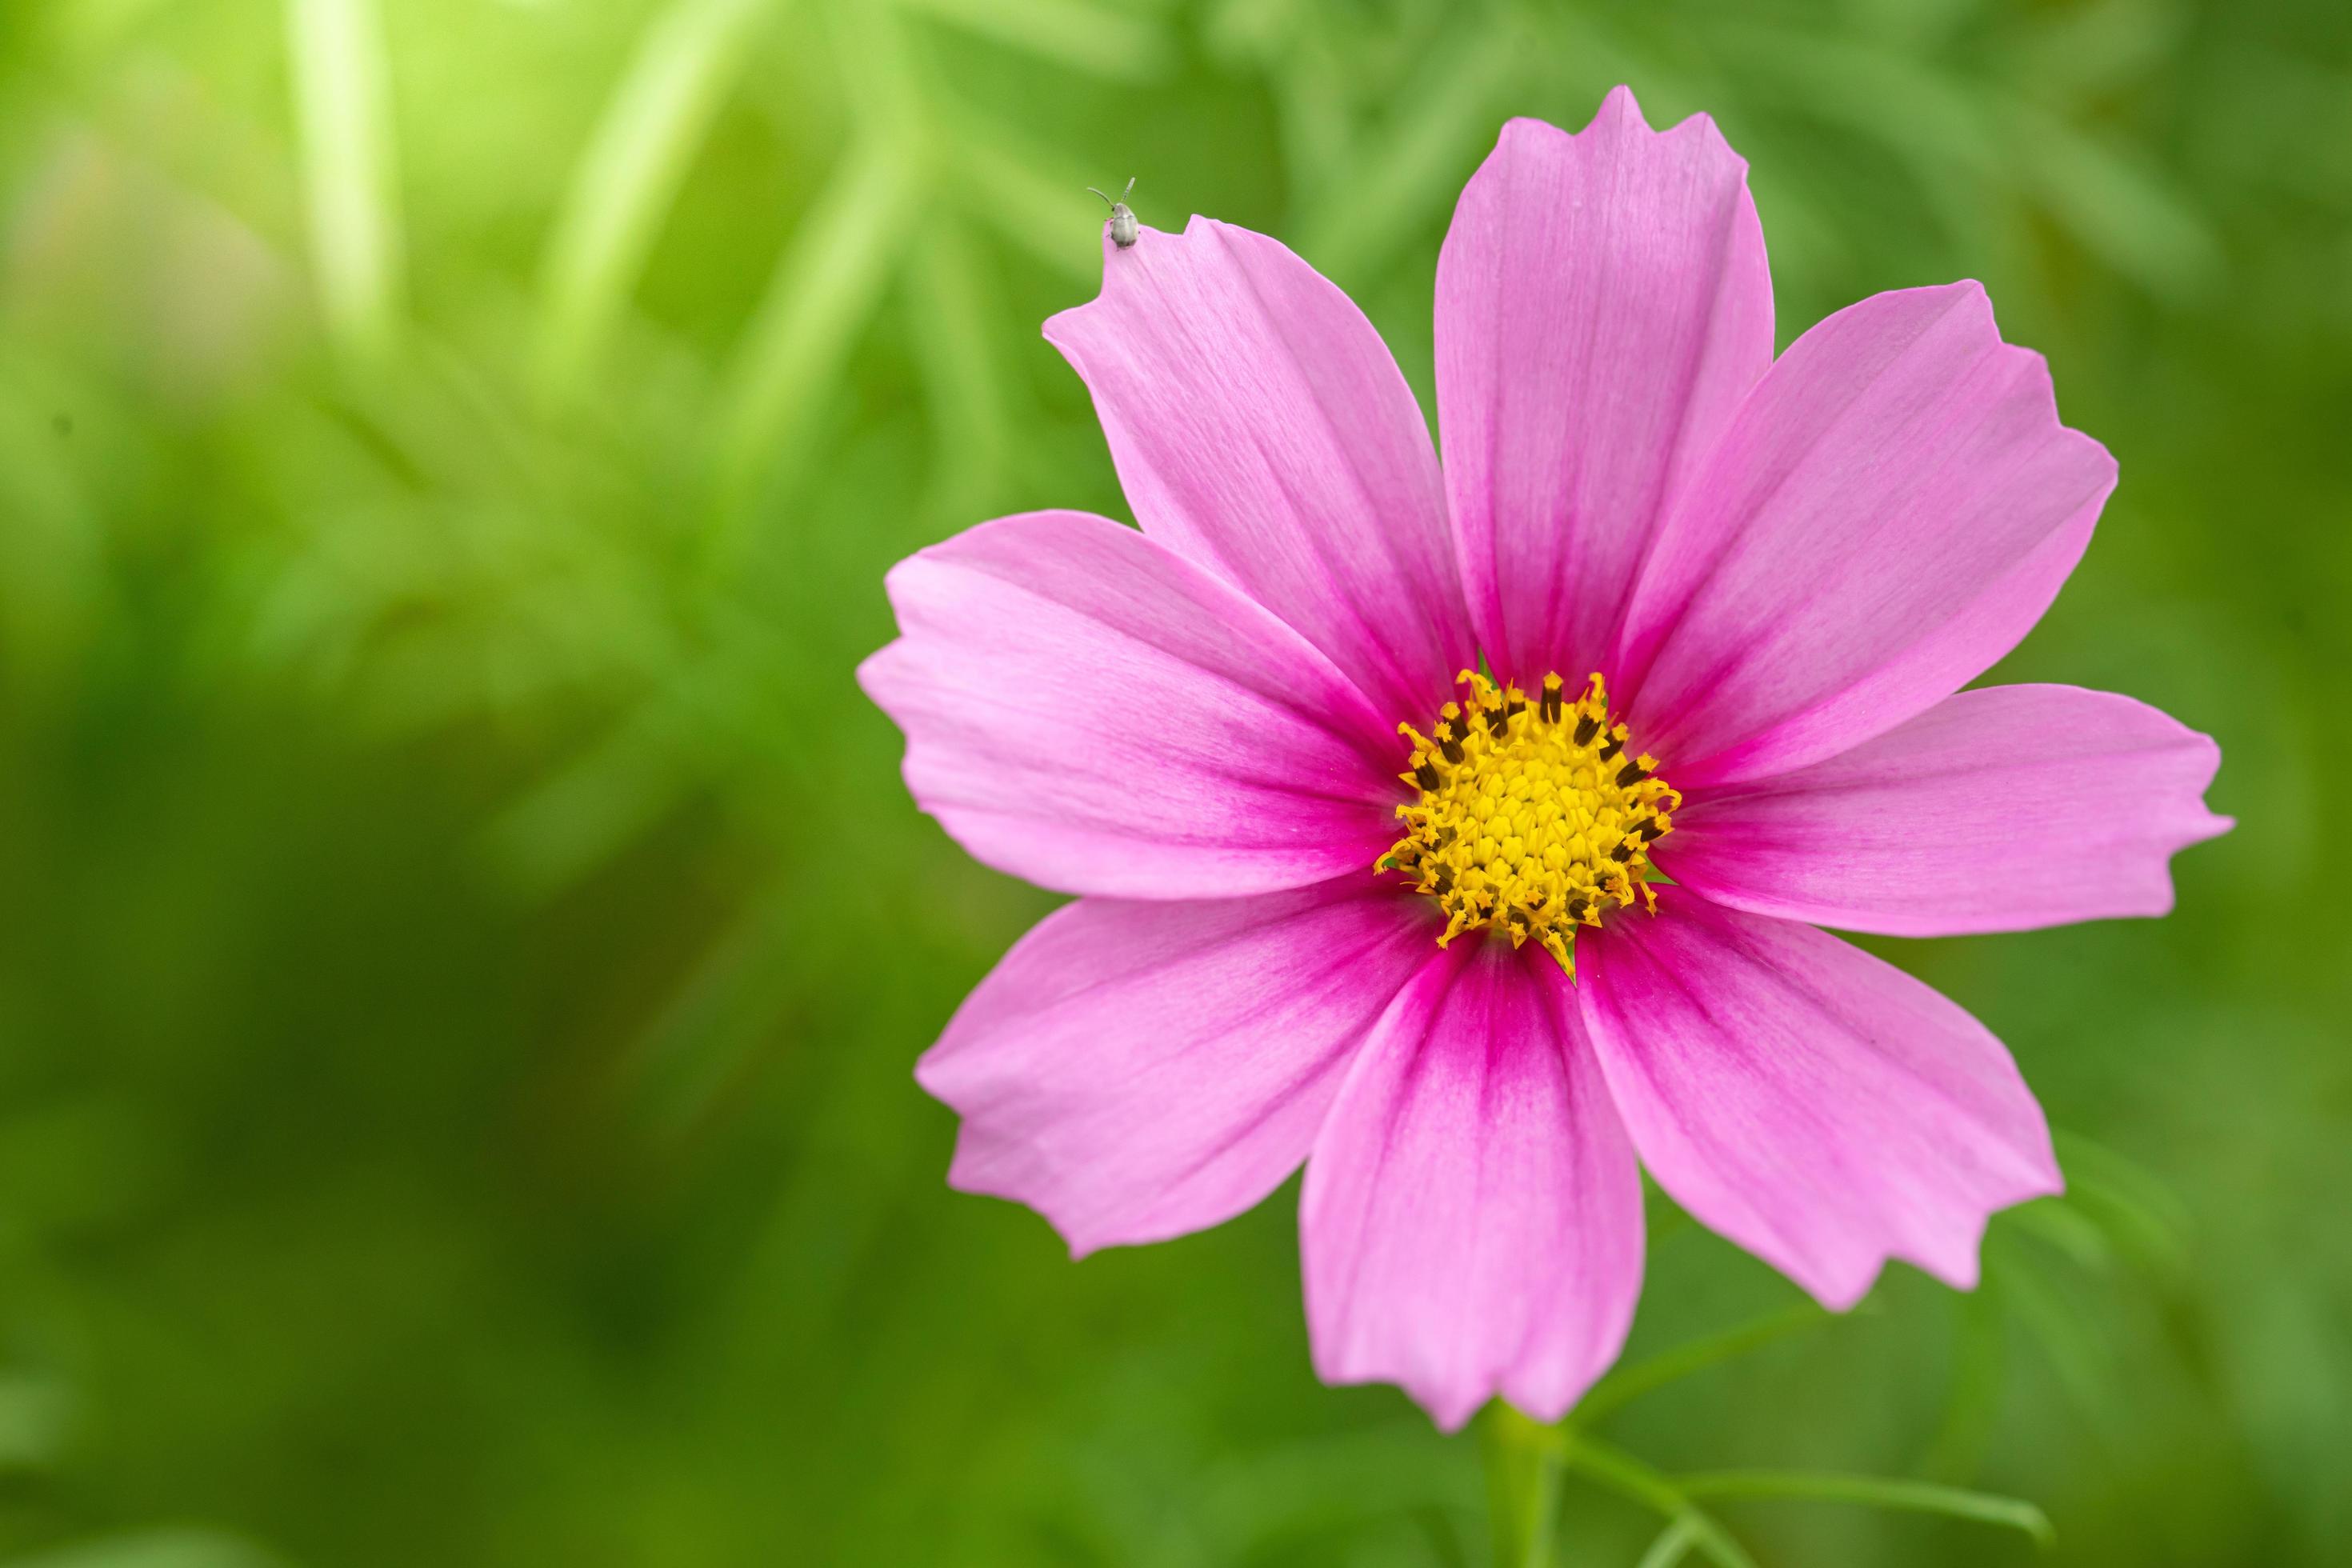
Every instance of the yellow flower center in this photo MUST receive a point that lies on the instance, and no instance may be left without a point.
(1531, 818)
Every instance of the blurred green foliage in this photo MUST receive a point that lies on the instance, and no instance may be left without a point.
(463, 942)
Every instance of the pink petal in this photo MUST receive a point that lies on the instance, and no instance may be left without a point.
(1823, 1109)
(1088, 709)
(1890, 510)
(1261, 428)
(1602, 305)
(1995, 810)
(1134, 1071)
(1472, 1221)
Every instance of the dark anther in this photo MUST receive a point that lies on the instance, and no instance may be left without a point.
(1577, 905)
(1551, 707)
(1586, 728)
(1623, 852)
(1650, 830)
(1631, 774)
(1444, 882)
(1448, 744)
(1609, 753)
(1424, 774)
(1497, 720)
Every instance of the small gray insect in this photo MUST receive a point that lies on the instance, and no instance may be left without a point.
(1123, 230)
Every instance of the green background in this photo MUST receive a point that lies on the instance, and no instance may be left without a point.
(463, 941)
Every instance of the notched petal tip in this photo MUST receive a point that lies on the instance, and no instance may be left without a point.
(1954, 1260)
(1620, 109)
(1261, 428)
(2001, 808)
(975, 1173)
(1120, 263)
(1841, 1294)
(873, 672)
(1791, 611)
(2210, 824)
(1619, 113)
(1138, 1071)
(1448, 1405)
(1470, 1223)
(1603, 306)
(2030, 366)
(1820, 1108)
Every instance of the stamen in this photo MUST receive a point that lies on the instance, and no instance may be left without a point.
(1521, 822)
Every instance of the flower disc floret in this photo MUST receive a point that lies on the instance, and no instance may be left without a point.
(1530, 818)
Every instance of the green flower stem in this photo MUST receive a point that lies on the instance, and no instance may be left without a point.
(1523, 1460)
(1873, 1492)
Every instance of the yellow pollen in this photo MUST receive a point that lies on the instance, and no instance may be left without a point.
(1531, 816)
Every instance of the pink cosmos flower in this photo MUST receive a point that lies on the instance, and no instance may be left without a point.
(1361, 765)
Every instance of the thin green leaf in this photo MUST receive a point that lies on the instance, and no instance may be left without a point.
(1403, 176)
(1937, 126)
(1979, 1358)
(2117, 208)
(341, 81)
(1629, 1477)
(955, 351)
(1085, 37)
(2075, 51)
(1672, 1543)
(1310, 94)
(2065, 1227)
(825, 288)
(2069, 1331)
(1935, 123)
(153, 1549)
(629, 177)
(1873, 1491)
(586, 812)
(1044, 210)
(1312, 84)
(1630, 1383)
(37, 1419)
(874, 63)
(708, 1036)
(2131, 1203)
